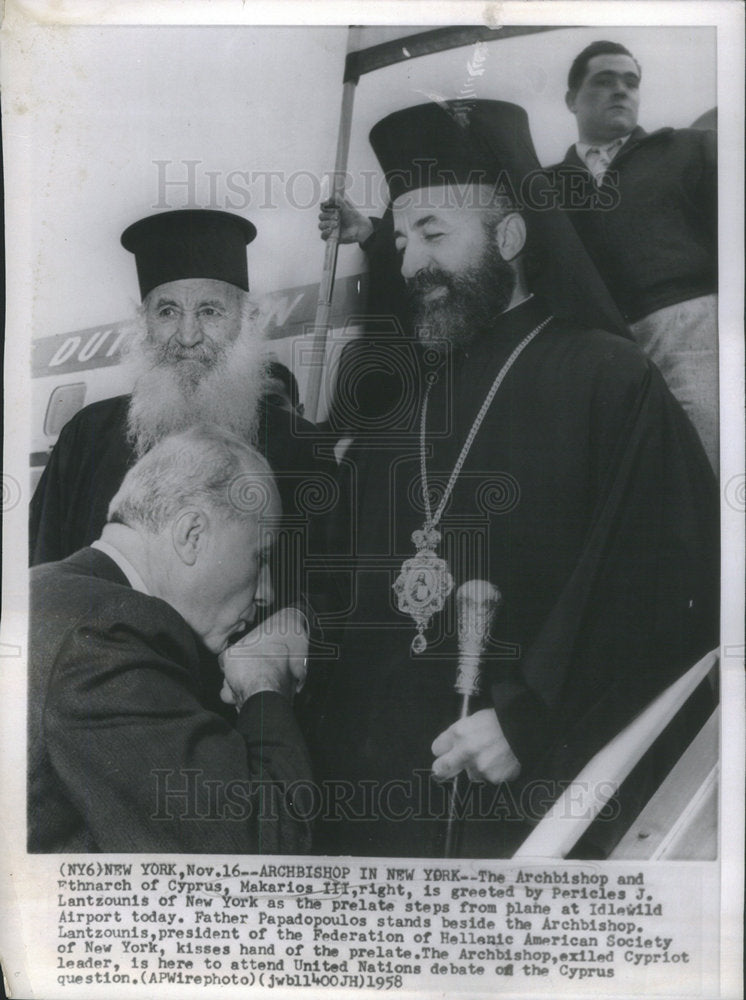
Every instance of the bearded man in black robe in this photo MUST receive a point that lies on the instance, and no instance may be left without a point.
(196, 356)
(546, 458)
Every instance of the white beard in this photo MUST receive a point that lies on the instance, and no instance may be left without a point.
(170, 396)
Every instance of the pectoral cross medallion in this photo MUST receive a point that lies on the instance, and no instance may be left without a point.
(424, 584)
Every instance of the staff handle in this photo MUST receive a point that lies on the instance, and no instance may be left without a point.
(477, 602)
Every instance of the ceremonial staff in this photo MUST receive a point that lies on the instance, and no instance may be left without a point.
(322, 321)
(476, 603)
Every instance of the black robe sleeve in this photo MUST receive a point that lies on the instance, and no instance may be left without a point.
(84, 471)
(641, 604)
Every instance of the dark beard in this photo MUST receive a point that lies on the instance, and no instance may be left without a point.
(470, 303)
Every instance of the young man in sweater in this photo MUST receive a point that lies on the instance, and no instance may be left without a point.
(651, 229)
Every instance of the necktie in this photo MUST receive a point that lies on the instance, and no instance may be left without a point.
(598, 159)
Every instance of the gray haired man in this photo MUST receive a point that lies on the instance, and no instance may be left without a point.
(124, 754)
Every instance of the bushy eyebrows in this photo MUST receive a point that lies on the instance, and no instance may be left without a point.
(201, 303)
(215, 303)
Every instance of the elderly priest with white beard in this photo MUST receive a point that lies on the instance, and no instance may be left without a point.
(196, 357)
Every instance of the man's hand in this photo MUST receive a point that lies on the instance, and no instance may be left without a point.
(272, 657)
(476, 743)
(337, 213)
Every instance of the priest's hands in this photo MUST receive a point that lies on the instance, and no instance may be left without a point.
(272, 657)
(478, 745)
(338, 213)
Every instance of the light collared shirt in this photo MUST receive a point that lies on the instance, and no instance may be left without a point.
(133, 577)
(598, 157)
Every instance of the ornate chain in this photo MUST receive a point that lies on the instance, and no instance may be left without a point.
(431, 519)
(425, 582)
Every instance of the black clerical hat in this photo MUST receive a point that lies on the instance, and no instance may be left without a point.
(453, 142)
(489, 142)
(190, 243)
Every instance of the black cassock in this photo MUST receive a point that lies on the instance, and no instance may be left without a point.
(588, 501)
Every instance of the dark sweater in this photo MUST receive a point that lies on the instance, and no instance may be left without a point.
(651, 226)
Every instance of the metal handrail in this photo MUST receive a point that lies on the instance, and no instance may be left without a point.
(583, 799)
